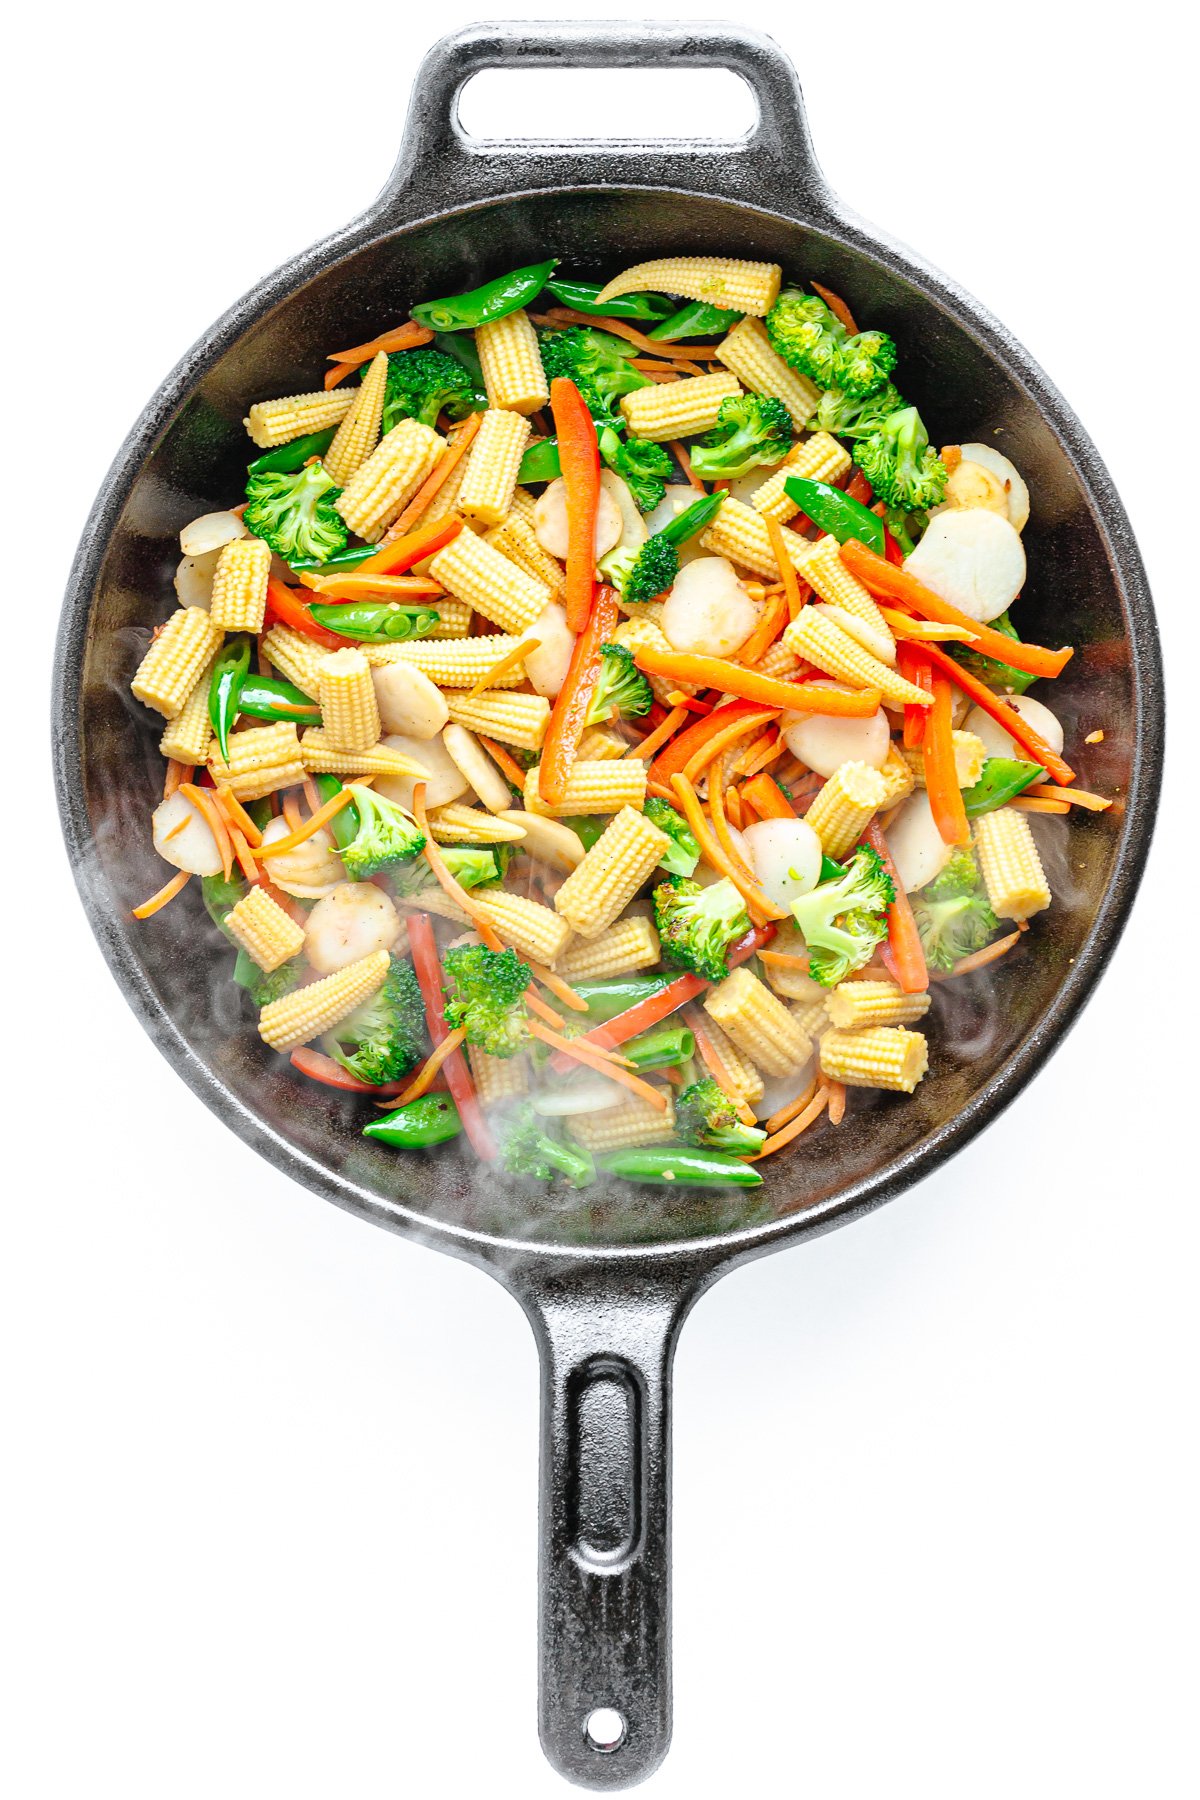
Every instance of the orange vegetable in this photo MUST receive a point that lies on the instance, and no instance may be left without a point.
(837, 307)
(760, 908)
(205, 802)
(579, 460)
(581, 1051)
(904, 940)
(771, 621)
(679, 450)
(941, 779)
(509, 767)
(1017, 728)
(787, 573)
(422, 1081)
(715, 672)
(402, 552)
(569, 715)
(811, 1113)
(788, 1112)
(916, 669)
(428, 970)
(655, 739)
(322, 816)
(767, 798)
(156, 902)
(718, 742)
(437, 476)
(409, 336)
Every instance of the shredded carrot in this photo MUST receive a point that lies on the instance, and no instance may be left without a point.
(721, 740)
(765, 741)
(536, 1004)
(925, 631)
(242, 852)
(422, 1081)
(685, 462)
(716, 807)
(989, 954)
(176, 772)
(711, 1058)
(498, 669)
(358, 587)
(402, 552)
(446, 881)
(747, 684)
(1024, 804)
(811, 1113)
(941, 777)
(951, 455)
(837, 307)
(409, 336)
(785, 960)
(509, 767)
(335, 376)
(759, 906)
(291, 812)
(566, 315)
(313, 824)
(237, 815)
(1044, 790)
(771, 621)
(177, 829)
(787, 574)
(447, 462)
(837, 1102)
(204, 800)
(156, 902)
(994, 705)
(655, 370)
(767, 798)
(561, 989)
(579, 1051)
(786, 1113)
(658, 737)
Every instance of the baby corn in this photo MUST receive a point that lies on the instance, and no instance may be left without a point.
(760, 1025)
(592, 787)
(487, 489)
(512, 365)
(747, 351)
(309, 1011)
(724, 281)
(884, 1056)
(676, 409)
(273, 422)
(264, 931)
(625, 854)
(175, 661)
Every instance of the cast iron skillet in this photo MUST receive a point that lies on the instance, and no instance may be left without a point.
(607, 1285)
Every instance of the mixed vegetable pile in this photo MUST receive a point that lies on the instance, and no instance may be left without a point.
(601, 724)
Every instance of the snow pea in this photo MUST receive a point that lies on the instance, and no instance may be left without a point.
(344, 824)
(463, 350)
(1002, 779)
(540, 462)
(493, 300)
(605, 999)
(287, 458)
(580, 296)
(225, 686)
(433, 1119)
(669, 1165)
(265, 697)
(836, 512)
(663, 1047)
(692, 519)
(377, 622)
(695, 320)
(587, 827)
(344, 559)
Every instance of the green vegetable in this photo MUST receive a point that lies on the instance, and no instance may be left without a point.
(265, 697)
(220, 897)
(750, 429)
(345, 824)
(806, 334)
(645, 468)
(580, 296)
(606, 999)
(463, 349)
(848, 415)
(695, 320)
(645, 573)
(704, 1114)
(668, 1166)
(540, 462)
(863, 363)
(486, 990)
(386, 1037)
(377, 622)
(493, 300)
(344, 559)
(696, 925)
(527, 1149)
(433, 1119)
(843, 920)
(663, 1047)
(684, 852)
(598, 364)
(620, 683)
(386, 835)
(225, 686)
(1001, 780)
(295, 514)
(287, 457)
(261, 987)
(472, 865)
(900, 463)
(999, 675)
(425, 382)
(839, 514)
(952, 913)
(587, 827)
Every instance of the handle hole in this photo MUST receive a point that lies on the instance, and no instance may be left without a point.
(604, 1729)
(713, 104)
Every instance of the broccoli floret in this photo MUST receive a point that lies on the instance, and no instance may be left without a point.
(386, 835)
(221, 894)
(295, 514)
(642, 574)
(999, 675)
(846, 415)
(527, 1149)
(696, 925)
(901, 464)
(953, 915)
(423, 383)
(470, 865)
(620, 683)
(842, 920)
(261, 986)
(704, 1114)
(806, 334)
(486, 991)
(750, 429)
(386, 1038)
(597, 363)
(684, 853)
(645, 468)
(863, 363)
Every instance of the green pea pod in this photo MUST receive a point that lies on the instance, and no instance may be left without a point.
(668, 1165)
(605, 999)
(225, 686)
(433, 1119)
(349, 558)
(830, 870)
(836, 512)
(1003, 778)
(494, 300)
(665, 1047)
(540, 462)
(462, 349)
(377, 623)
(587, 827)
(344, 824)
(580, 296)
(692, 519)
(695, 320)
(263, 697)
(287, 458)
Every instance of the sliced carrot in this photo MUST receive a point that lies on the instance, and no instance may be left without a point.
(677, 755)
(989, 954)
(767, 799)
(760, 908)
(402, 552)
(237, 815)
(925, 631)
(322, 816)
(536, 1004)
(359, 587)
(409, 336)
(1024, 804)
(498, 669)
(718, 742)
(293, 817)
(337, 373)
(1044, 790)
(156, 902)
(786, 1113)
(771, 621)
(711, 1058)
(787, 573)
(655, 739)
(729, 678)
(579, 1050)
(569, 715)
(508, 765)
(437, 477)
(561, 989)
(428, 970)
(445, 879)
(837, 1102)
(284, 604)
(422, 1081)
(837, 307)
(566, 315)
(904, 940)
(993, 704)
(176, 772)
(784, 959)
(205, 802)
(801, 1122)
(941, 776)
(721, 831)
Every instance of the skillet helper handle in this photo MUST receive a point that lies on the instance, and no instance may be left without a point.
(604, 1661)
(441, 166)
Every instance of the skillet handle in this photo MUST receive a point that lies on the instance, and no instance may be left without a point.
(606, 1346)
(440, 166)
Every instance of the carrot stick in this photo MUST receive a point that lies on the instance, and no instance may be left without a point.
(358, 587)
(993, 704)
(809, 1116)
(498, 669)
(655, 739)
(719, 741)
(765, 740)
(675, 758)
(536, 1004)
(787, 574)
(721, 831)
(402, 552)
(237, 815)
(508, 765)
(561, 989)
(579, 1050)
(760, 908)
(428, 971)
(882, 577)
(941, 776)
(837, 307)
(284, 604)
(335, 375)
(422, 1081)
(204, 801)
(1045, 790)
(837, 1102)
(711, 1059)
(904, 940)
(569, 715)
(579, 458)
(322, 816)
(784, 959)
(409, 336)
(331, 1074)
(771, 621)
(923, 631)
(787, 696)
(788, 1112)
(445, 879)
(679, 450)
(176, 772)
(1024, 804)
(767, 799)
(437, 477)
(733, 808)
(989, 954)
(566, 315)
(156, 902)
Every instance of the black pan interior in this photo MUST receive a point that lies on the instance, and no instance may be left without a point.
(965, 394)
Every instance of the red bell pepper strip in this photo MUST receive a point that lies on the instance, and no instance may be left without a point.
(285, 605)
(767, 798)
(915, 668)
(413, 547)
(675, 756)
(677, 993)
(860, 489)
(941, 778)
(892, 550)
(1031, 741)
(579, 460)
(428, 970)
(331, 1074)
(880, 578)
(905, 953)
(568, 719)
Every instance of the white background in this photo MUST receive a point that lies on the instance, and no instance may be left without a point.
(271, 1474)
